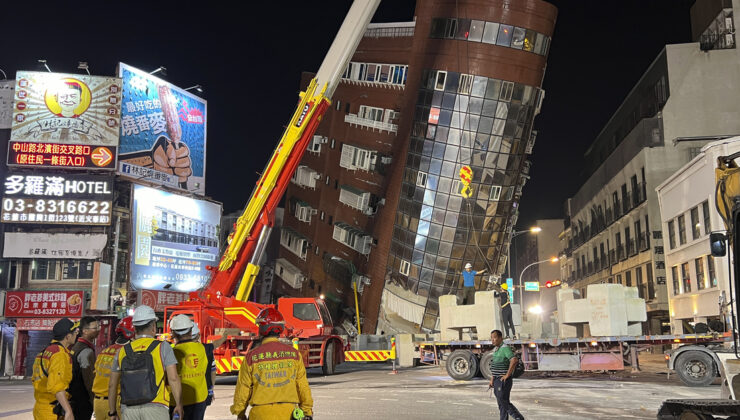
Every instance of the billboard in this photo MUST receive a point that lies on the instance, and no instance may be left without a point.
(163, 132)
(79, 114)
(158, 300)
(174, 239)
(44, 304)
(68, 199)
(6, 103)
(80, 246)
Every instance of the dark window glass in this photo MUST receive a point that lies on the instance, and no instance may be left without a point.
(505, 33)
(705, 212)
(695, 225)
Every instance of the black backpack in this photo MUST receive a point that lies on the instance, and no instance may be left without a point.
(138, 379)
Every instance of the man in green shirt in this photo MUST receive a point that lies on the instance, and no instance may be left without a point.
(503, 363)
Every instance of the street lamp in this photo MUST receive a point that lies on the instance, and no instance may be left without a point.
(521, 278)
(533, 229)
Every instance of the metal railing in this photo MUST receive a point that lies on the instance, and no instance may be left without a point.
(643, 242)
(366, 122)
(631, 248)
(621, 255)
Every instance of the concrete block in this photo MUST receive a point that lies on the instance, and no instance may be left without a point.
(609, 310)
(483, 316)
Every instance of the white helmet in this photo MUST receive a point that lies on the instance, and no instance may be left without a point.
(181, 324)
(143, 315)
(468, 265)
(195, 332)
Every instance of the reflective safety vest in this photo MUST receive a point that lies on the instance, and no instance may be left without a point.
(103, 365)
(141, 344)
(192, 367)
(52, 372)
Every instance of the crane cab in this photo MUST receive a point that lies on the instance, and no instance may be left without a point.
(308, 317)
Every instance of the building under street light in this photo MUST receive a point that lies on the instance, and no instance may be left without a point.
(539, 247)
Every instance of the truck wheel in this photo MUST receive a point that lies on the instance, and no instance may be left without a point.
(695, 368)
(485, 365)
(462, 365)
(328, 367)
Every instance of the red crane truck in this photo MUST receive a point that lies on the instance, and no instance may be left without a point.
(222, 310)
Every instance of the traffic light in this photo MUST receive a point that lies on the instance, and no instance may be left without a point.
(552, 283)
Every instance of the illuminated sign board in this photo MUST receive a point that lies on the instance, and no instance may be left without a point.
(174, 239)
(54, 155)
(532, 286)
(163, 132)
(44, 304)
(57, 199)
(69, 110)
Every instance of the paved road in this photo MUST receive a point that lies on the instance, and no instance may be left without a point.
(369, 392)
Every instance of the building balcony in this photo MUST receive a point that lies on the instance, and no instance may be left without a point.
(589, 268)
(613, 257)
(354, 119)
(604, 262)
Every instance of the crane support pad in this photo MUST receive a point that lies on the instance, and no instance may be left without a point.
(367, 355)
(672, 409)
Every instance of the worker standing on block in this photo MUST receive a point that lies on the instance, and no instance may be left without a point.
(469, 284)
(506, 316)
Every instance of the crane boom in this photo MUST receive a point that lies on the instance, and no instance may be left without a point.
(239, 264)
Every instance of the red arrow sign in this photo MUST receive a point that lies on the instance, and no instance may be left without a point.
(101, 156)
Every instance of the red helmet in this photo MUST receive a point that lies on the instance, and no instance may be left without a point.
(270, 321)
(125, 327)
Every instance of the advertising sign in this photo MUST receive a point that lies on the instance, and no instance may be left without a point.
(174, 239)
(82, 246)
(57, 199)
(532, 286)
(37, 324)
(65, 110)
(44, 304)
(6, 103)
(163, 128)
(158, 299)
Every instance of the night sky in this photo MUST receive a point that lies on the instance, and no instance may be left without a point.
(250, 61)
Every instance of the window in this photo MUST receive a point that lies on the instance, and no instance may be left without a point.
(686, 277)
(507, 88)
(681, 229)
(338, 105)
(671, 234)
(639, 283)
(44, 270)
(303, 212)
(439, 84)
(495, 193)
(322, 216)
(405, 267)
(326, 180)
(505, 34)
(628, 278)
(371, 113)
(466, 82)
(649, 281)
(77, 270)
(619, 278)
(421, 179)
(705, 213)
(699, 265)
(490, 33)
(306, 312)
(695, 225)
(517, 40)
(433, 115)
(450, 28)
(711, 271)
(314, 145)
(674, 274)
(332, 143)
(476, 30)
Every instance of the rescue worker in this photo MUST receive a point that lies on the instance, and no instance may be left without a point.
(125, 332)
(210, 378)
(506, 316)
(83, 368)
(164, 367)
(192, 366)
(272, 378)
(52, 373)
(469, 284)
